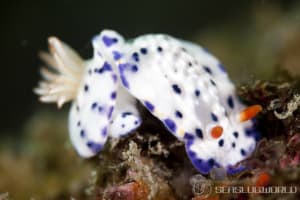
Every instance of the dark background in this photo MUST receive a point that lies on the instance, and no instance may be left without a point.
(25, 26)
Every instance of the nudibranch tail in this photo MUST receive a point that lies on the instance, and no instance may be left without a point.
(63, 77)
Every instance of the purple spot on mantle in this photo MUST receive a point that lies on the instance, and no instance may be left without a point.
(124, 81)
(110, 111)
(106, 67)
(113, 95)
(122, 68)
(234, 170)
(170, 124)
(82, 133)
(94, 147)
(115, 78)
(124, 114)
(221, 67)
(117, 55)
(104, 131)
(149, 105)
(108, 41)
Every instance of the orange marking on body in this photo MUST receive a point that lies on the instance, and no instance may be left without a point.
(249, 112)
(216, 131)
(263, 179)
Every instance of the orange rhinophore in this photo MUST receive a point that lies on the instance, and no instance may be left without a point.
(216, 131)
(249, 112)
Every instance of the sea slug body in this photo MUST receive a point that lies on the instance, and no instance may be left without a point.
(179, 82)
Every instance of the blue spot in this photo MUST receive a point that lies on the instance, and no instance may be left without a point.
(253, 132)
(124, 81)
(159, 49)
(178, 114)
(201, 165)
(86, 88)
(188, 136)
(212, 82)
(226, 113)
(125, 114)
(198, 161)
(221, 142)
(234, 170)
(106, 67)
(104, 131)
(206, 50)
(176, 88)
(82, 133)
(110, 111)
(189, 143)
(143, 51)
(207, 69)
(211, 162)
(199, 132)
(193, 154)
(189, 140)
(100, 71)
(243, 152)
(222, 68)
(135, 56)
(197, 93)
(134, 68)
(114, 77)
(94, 105)
(108, 41)
(214, 117)
(233, 145)
(123, 125)
(100, 108)
(230, 102)
(123, 66)
(236, 134)
(113, 95)
(149, 106)
(95, 147)
(117, 55)
(170, 124)
(136, 122)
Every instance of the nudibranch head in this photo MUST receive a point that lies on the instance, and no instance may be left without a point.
(100, 105)
(180, 83)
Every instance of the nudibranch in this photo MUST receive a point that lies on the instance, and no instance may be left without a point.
(179, 82)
